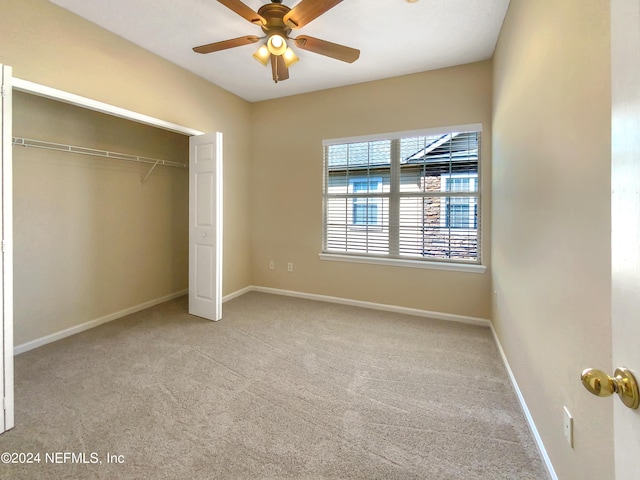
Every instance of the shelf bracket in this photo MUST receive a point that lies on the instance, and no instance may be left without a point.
(149, 172)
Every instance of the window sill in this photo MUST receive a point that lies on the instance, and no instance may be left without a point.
(396, 262)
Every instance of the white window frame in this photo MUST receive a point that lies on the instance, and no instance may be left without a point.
(438, 264)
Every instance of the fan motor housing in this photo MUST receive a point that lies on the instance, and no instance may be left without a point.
(273, 14)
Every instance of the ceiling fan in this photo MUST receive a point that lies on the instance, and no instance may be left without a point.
(277, 21)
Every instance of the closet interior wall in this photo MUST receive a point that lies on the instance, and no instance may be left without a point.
(90, 238)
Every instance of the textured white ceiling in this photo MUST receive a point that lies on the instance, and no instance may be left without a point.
(395, 38)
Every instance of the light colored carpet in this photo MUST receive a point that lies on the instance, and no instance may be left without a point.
(281, 388)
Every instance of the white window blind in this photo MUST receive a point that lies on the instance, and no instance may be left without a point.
(408, 196)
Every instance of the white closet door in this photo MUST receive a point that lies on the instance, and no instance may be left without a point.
(205, 226)
(6, 364)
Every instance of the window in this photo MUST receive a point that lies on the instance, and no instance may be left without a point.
(460, 212)
(412, 196)
(366, 211)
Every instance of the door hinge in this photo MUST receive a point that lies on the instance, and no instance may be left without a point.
(4, 246)
(3, 91)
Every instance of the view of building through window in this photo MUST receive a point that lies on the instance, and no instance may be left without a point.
(413, 197)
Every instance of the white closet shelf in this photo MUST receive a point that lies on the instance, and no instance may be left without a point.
(28, 142)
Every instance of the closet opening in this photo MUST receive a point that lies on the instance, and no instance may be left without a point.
(101, 202)
(100, 223)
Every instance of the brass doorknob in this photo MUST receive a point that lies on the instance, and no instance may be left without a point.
(602, 385)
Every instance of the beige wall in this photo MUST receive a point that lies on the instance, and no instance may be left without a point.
(551, 219)
(286, 188)
(48, 45)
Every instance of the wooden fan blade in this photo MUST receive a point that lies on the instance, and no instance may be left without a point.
(234, 42)
(306, 11)
(278, 68)
(245, 12)
(328, 49)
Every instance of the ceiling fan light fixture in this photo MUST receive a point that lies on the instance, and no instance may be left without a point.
(277, 21)
(276, 44)
(262, 54)
(289, 57)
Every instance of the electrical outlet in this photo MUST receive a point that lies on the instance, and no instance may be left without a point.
(290, 267)
(272, 265)
(568, 426)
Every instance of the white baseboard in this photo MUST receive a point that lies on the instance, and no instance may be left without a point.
(525, 409)
(376, 306)
(25, 347)
(237, 293)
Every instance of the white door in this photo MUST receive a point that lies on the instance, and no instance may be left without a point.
(625, 223)
(205, 226)
(6, 279)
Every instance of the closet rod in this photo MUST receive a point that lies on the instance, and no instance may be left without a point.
(27, 142)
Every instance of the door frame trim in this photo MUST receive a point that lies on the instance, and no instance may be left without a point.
(95, 105)
(6, 215)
